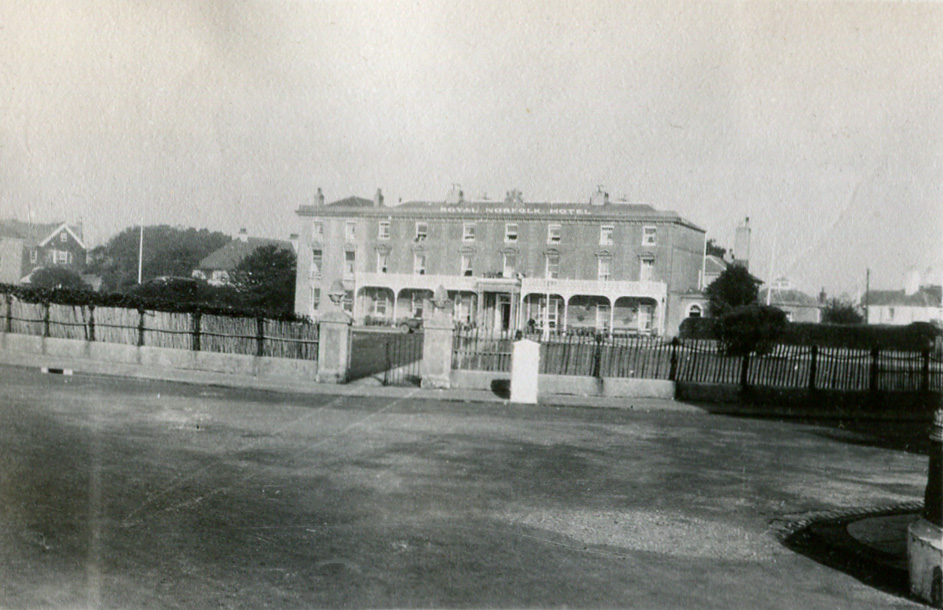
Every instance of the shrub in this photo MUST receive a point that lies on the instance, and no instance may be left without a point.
(750, 328)
(698, 328)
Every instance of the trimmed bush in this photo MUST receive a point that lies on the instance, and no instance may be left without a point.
(751, 328)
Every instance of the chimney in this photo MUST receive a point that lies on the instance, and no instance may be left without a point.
(378, 199)
(913, 282)
(319, 199)
(514, 197)
(741, 244)
(243, 235)
(600, 197)
(455, 195)
(293, 238)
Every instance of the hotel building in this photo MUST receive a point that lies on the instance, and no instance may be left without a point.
(601, 265)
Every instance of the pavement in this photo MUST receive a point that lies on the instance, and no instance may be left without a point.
(877, 536)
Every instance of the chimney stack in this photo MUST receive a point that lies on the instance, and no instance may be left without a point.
(514, 197)
(600, 197)
(378, 199)
(913, 282)
(319, 199)
(455, 195)
(741, 244)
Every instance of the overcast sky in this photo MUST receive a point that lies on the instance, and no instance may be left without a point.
(822, 122)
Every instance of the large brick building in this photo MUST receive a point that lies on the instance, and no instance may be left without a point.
(599, 265)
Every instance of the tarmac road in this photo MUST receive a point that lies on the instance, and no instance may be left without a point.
(121, 493)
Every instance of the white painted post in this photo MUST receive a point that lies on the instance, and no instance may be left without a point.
(525, 367)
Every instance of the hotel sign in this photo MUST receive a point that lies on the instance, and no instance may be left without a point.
(469, 211)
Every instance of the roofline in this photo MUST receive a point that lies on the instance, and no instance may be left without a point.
(65, 225)
(572, 211)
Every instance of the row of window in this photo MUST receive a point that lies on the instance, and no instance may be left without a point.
(58, 257)
(511, 232)
(509, 265)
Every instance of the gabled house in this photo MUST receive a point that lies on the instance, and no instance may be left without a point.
(917, 302)
(799, 306)
(217, 267)
(901, 307)
(26, 247)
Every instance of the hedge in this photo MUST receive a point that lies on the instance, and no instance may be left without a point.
(32, 294)
(913, 337)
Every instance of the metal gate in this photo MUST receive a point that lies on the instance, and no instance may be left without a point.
(392, 358)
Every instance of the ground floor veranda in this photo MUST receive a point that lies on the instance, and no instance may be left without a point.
(511, 303)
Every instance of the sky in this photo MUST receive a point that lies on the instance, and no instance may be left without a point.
(822, 122)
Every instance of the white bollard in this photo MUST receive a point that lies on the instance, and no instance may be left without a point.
(525, 367)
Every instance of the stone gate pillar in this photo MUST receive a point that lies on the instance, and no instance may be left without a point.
(334, 340)
(437, 328)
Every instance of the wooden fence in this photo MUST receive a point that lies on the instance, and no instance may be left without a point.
(197, 332)
(705, 361)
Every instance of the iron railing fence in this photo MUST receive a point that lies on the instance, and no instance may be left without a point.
(706, 361)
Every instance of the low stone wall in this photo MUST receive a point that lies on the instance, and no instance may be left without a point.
(568, 385)
(160, 357)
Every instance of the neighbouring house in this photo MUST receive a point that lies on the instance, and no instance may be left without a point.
(217, 267)
(713, 267)
(798, 306)
(26, 247)
(571, 266)
(915, 303)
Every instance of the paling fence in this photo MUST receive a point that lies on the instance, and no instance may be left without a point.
(705, 361)
(198, 332)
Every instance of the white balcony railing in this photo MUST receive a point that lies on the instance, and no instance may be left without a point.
(617, 288)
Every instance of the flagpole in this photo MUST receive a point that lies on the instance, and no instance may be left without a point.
(141, 251)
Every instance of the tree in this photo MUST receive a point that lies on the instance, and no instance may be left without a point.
(734, 287)
(837, 311)
(168, 251)
(60, 278)
(712, 249)
(266, 279)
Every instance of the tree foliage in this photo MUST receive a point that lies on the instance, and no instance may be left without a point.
(734, 287)
(837, 311)
(61, 278)
(713, 249)
(168, 251)
(266, 278)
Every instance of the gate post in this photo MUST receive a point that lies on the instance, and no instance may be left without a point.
(334, 339)
(437, 328)
(925, 535)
